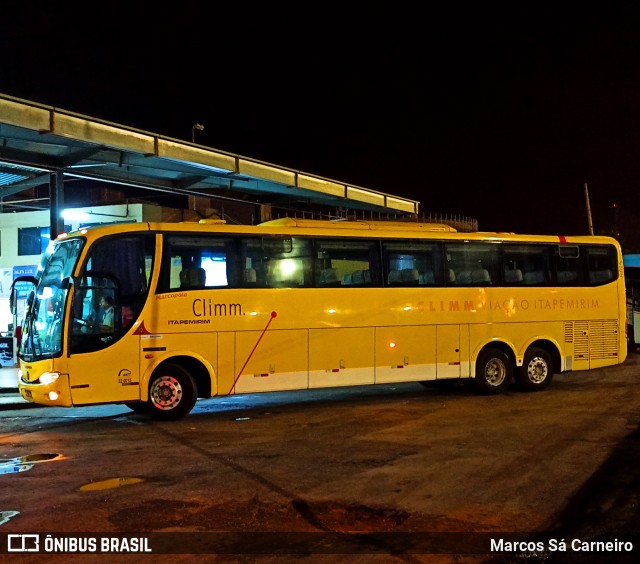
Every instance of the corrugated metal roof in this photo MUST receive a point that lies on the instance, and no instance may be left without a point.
(12, 174)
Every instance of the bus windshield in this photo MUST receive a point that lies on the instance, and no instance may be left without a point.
(43, 324)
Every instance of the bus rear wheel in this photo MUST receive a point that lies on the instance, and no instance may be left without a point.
(536, 372)
(494, 371)
(172, 393)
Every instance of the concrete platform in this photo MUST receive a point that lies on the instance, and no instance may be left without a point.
(8, 378)
(9, 396)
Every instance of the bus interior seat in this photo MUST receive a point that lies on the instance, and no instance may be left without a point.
(513, 276)
(463, 277)
(127, 315)
(567, 276)
(249, 276)
(426, 278)
(360, 277)
(410, 275)
(357, 277)
(476, 276)
(597, 276)
(395, 277)
(329, 277)
(193, 278)
(534, 277)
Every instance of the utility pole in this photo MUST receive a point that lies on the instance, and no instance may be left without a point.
(586, 197)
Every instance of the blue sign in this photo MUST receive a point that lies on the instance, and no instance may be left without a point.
(23, 288)
(29, 270)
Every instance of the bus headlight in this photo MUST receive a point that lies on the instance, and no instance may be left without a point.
(49, 377)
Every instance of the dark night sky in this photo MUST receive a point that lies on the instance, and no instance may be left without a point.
(496, 111)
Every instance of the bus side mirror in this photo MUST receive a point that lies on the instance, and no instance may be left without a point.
(13, 296)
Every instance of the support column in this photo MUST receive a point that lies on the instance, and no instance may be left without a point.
(265, 212)
(56, 198)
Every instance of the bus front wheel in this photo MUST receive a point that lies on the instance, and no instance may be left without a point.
(172, 393)
(536, 372)
(138, 406)
(493, 372)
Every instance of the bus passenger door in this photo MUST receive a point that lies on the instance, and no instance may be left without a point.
(448, 351)
(109, 375)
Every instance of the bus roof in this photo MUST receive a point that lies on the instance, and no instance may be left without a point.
(290, 226)
(363, 224)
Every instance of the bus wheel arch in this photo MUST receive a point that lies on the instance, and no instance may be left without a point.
(201, 371)
(172, 392)
(201, 374)
(494, 368)
(540, 361)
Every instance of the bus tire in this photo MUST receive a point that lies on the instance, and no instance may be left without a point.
(536, 371)
(138, 406)
(494, 371)
(172, 393)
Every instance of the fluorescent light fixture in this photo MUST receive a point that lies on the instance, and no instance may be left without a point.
(74, 215)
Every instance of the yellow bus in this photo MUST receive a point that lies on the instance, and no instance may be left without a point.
(210, 309)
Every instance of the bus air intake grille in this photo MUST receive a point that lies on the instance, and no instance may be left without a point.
(581, 340)
(568, 332)
(603, 341)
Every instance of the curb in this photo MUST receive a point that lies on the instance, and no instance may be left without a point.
(10, 399)
(17, 404)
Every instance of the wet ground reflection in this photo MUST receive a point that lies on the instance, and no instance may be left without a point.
(24, 463)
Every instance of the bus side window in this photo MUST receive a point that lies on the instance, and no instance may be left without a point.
(411, 263)
(601, 264)
(329, 277)
(111, 291)
(253, 263)
(526, 264)
(193, 278)
(474, 264)
(513, 276)
(343, 262)
(199, 262)
(289, 262)
(568, 265)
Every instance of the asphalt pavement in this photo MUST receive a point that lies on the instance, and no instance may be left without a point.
(606, 506)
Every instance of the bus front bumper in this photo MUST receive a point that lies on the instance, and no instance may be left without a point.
(55, 393)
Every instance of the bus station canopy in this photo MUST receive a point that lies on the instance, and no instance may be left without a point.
(38, 143)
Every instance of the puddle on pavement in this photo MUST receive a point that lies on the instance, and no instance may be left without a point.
(14, 468)
(6, 515)
(110, 484)
(24, 463)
